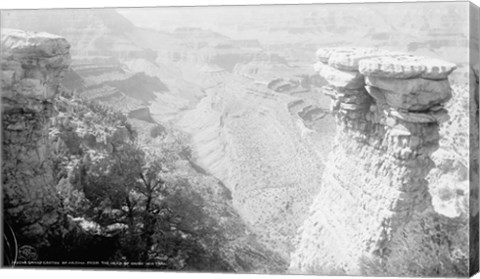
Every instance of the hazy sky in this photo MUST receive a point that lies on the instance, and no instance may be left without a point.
(215, 16)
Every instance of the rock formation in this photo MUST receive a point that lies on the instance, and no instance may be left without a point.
(373, 214)
(33, 65)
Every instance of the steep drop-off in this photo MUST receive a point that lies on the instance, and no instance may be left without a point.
(32, 68)
(256, 142)
(373, 214)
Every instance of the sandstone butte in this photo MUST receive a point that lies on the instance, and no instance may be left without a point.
(373, 214)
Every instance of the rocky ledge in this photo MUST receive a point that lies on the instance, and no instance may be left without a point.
(373, 214)
(32, 66)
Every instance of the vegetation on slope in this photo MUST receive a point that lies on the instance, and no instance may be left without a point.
(131, 198)
(120, 208)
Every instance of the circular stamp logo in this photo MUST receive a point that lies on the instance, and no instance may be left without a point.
(27, 253)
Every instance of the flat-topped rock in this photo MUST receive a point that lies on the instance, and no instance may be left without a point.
(33, 64)
(32, 44)
(400, 67)
(405, 67)
(339, 78)
(384, 63)
(348, 59)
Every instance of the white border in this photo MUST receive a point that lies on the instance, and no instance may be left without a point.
(82, 274)
(30, 4)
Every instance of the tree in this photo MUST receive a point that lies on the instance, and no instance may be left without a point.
(166, 225)
(128, 182)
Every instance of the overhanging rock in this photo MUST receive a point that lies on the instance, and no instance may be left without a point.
(373, 214)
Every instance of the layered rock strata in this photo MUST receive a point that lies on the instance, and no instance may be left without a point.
(373, 213)
(33, 65)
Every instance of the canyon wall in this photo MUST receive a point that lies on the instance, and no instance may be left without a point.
(246, 136)
(33, 64)
(373, 214)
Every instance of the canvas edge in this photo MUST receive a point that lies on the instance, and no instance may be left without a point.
(474, 57)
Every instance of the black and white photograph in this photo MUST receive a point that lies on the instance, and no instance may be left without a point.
(300, 139)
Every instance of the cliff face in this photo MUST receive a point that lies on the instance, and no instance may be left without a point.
(373, 214)
(33, 64)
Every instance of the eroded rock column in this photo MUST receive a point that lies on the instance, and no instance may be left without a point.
(32, 66)
(373, 214)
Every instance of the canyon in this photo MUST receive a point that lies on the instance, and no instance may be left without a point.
(50, 139)
(295, 185)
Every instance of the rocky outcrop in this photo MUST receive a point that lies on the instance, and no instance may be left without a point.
(33, 64)
(373, 214)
